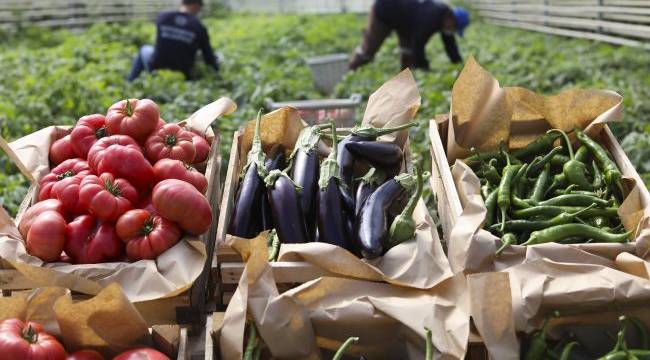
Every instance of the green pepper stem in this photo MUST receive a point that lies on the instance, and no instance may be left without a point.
(341, 351)
(566, 139)
(428, 355)
(373, 132)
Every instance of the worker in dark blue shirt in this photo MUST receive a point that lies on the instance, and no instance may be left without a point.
(415, 22)
(179, 35)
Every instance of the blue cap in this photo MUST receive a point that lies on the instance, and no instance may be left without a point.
(462, 19)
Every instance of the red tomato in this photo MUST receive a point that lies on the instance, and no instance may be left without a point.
(46, 236)
(85, 355)
(32, 213)
(88, 130)
(176, 169)
(66, 169)
(141, 354)
(160, 123)
(19, 340)
(146, 204)
(61, 150)
(170, 142)
(180, 202)
(202, 148)
(133, 117)
(107, 197)
(146, 235)
(90, 241)
(122, 156)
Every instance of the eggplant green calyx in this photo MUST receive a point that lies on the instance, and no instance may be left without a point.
(273, 176)
(374, 177)
(256, 154)
(371, 132)
(344, 347)
(403, 227)
(330, 167)
(307, 140)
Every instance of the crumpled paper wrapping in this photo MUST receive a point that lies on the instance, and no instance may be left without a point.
(170, 274)
(108, 322)
(312, 320)
(519, 116)
(582, 291)
(418, 263)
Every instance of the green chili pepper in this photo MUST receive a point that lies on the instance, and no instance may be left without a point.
(506, 240)
(491, 204)
(428, 355)
(574, 200)
(539, 146)
(341, 351)
(627, 355)
(574, 171)
(520, 203)
(527, 225)
(483, 157)
(559, 180)
(251, 344)
(559, 160)
(559, 232)
(566, 351)
(491, 174)
(610, 169)
(540, 184)
(538, 166)
(505, 187)
(582, 154)
(537, 348)
(549, 211)
(598, 176)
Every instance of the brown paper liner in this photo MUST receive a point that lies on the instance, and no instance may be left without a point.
(170, 274)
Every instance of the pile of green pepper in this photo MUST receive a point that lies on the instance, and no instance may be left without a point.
(545, 193)
(539, 348)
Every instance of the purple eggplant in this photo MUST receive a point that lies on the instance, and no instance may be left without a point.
(285, 208)
(368, 184)
(275, 161)
(305, 172)
(332, 226)
(372, 222)
(246, 219)
(376, 153)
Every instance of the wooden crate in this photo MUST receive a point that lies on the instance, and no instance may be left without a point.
(442, 182)
(186, 308)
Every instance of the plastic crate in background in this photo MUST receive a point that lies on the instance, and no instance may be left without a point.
(343, 111)
(328, 70)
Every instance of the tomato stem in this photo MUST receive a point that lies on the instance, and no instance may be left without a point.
(112, 188)
(66, 174)
(100, 133)
(147, 227)
(170, 140)
(128, 109)
(30, 335)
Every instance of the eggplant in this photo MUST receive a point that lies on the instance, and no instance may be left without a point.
(275, 161)
(403, 227)
(368, 184)
(345, 158)
(372, 221)
(305, 172)
(246, 218)
(332, 225)
(376, 153)
(286, 210)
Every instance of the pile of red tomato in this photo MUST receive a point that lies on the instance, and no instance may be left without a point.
(19, 340)
(122, 187)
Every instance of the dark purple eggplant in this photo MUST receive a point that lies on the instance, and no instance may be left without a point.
(376, 153)
(275, 161)
(368, 184)
(372, 221)
(246, 218)
(345, 158)
(332, 226)
(403, 227)
(305, 172)
(285, 208)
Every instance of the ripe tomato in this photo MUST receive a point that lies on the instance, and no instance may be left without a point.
(88, 130)
(202, 148)
(176, 169)
(32, 213)
(19, 340)
(141, 354)
(90, 241)
(122, 156)
(160, 123)
(170, 142)
(146, 235)
(85, 355)
(107, 197)
(133, 117)
(61, 150)
(180, 202)
(63, 183)
(46, 236)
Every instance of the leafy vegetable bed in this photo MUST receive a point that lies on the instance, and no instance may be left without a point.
(54, 77)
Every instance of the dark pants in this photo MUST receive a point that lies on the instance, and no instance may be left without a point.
(373, 37)
(141, 62)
